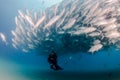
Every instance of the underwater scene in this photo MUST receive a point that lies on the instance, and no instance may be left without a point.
(60, 40)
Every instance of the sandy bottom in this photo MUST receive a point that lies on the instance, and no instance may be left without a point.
(12, 71)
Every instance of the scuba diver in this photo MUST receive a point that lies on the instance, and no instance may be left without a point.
(52, 60)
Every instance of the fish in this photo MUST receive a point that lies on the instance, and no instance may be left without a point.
(95, 48)
(51, 22)
(93, 34)
(39, 21)
(25, 50)
(112, 34)
(56, 10)
(69, 24)
(89, 29)
(14, 46)
(21, 14)
(3, 37)
(28, 18)
(16, 21)
(110, 27)
(96, 42)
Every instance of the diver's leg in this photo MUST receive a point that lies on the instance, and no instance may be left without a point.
(51, 66)
(58, 67)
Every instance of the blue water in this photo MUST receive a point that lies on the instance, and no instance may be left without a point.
(16, 65)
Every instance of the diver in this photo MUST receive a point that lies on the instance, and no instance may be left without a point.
(52, 60)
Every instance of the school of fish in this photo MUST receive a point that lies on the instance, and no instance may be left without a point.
(69, 27)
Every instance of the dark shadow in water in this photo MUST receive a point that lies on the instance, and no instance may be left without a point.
(62, 75)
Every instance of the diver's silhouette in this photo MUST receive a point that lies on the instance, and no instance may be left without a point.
(52, 59)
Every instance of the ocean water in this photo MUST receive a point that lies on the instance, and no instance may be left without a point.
(18, 65)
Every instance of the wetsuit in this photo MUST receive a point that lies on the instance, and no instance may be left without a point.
(52, 59)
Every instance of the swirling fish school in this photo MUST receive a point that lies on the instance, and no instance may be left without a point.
(70, 26)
